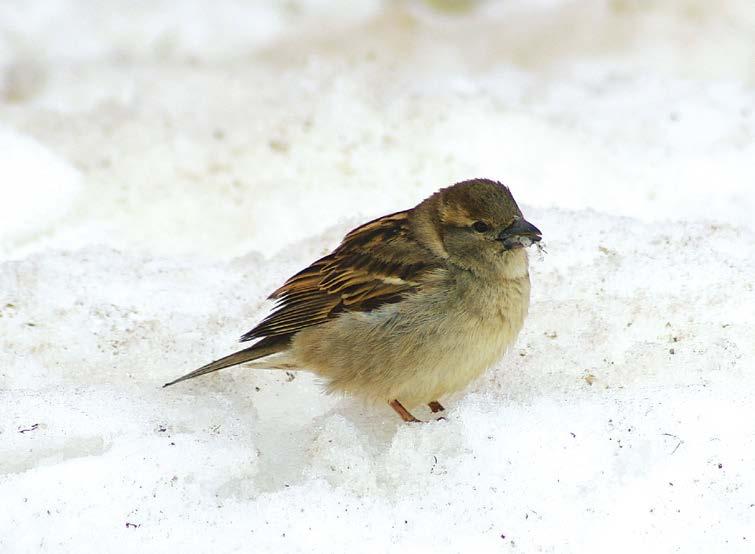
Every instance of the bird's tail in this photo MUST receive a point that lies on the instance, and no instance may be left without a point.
(265, 347)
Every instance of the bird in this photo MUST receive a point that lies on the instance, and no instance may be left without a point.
(409, 307)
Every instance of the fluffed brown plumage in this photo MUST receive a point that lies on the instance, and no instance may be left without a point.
(409, 306)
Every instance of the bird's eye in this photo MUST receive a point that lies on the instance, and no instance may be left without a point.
(480, 226)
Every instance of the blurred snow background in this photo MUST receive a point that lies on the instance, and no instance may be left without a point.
(164, 165)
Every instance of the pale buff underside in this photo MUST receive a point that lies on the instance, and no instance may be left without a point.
(431, 344)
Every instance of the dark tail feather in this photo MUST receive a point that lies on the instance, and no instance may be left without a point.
(263, 348)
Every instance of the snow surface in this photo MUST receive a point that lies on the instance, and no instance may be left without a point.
(165, 165)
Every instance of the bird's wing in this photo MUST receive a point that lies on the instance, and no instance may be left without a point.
(376, 264)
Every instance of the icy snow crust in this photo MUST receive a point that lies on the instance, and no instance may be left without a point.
(161, 173)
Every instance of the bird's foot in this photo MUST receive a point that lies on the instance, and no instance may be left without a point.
(436, 406)
(403, 412)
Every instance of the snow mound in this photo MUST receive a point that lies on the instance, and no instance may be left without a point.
(627, 399)
(38, 189)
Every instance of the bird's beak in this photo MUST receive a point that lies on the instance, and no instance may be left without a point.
(519, 234)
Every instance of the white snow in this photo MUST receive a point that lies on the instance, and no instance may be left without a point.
(38, 189)
(165, 165)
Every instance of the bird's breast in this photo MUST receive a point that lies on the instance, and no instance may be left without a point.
(434, 342)
(487, 320)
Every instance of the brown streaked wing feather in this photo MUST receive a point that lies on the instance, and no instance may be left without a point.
(376, 264)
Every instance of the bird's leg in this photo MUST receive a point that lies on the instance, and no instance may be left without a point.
(403, 412)
(436, 407)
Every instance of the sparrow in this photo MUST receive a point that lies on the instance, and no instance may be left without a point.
(410, 306)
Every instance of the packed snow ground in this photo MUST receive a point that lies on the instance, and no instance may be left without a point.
(162, 171)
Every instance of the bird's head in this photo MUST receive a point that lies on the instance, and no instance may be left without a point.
(478, 224)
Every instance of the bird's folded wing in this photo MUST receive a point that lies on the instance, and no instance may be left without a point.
(376, 264)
